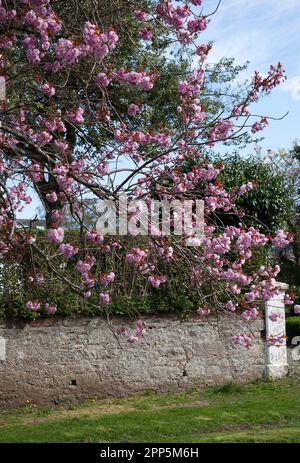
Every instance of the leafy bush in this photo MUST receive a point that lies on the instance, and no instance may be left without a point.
(270, 204)
(130, 295)
(292, 327)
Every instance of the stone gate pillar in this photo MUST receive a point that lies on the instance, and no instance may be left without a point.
(276, 353)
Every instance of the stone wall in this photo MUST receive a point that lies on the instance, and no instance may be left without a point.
(293, 354)
(65, 360)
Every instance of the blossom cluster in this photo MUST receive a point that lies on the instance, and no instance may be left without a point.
(35, 305)
(139, 332)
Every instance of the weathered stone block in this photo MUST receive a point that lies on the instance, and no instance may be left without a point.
(71, 359)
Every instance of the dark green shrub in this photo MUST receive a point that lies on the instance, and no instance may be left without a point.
(270, 204)
(292, 327)
(131, 294)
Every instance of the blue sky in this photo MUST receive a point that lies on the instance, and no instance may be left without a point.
(263, 32)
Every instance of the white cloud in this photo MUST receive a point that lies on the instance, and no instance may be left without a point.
(260, 31)
(293, 86)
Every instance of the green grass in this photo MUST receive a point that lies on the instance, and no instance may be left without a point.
(260, 412)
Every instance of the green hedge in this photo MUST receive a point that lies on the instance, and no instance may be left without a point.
(131, 294)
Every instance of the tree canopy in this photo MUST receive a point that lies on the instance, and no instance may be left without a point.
(110, 97)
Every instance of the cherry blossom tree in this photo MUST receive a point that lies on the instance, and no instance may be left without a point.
(73, 129)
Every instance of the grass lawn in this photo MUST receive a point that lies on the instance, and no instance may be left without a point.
(260, 412)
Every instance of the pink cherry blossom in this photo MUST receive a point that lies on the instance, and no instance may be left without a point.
(146, 33)
(43, 138)
(107, 278)
(282, 239)
(250, 314)
(276, 340)
(288, 299)
(48, 89)
(67, 52)
(38, 279)
(275, 316)
(52, 197)
(84, 266)
(258, 126)
(34, 306)
(68, 250)
(76, 116)
(134, 109)
(95, 237)
(104, 298)
(51, 309)
(297, 309)
(203, 311)
(196, 25)
(141, 15)
(157, 280)
(61, 145)
(56, 235)
(231, 306)
(245, 188)
(244, 340)
(136, 255)
(140, 328)
(102, 80)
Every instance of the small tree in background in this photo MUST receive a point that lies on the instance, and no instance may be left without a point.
(270, 204)
(286, 163)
